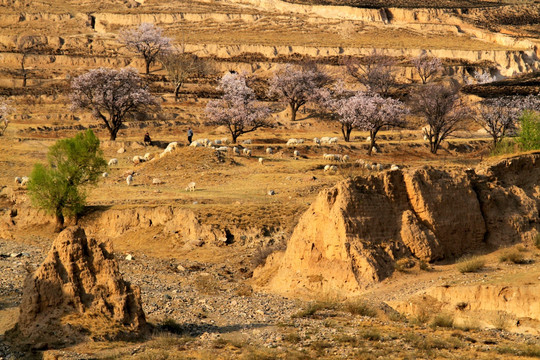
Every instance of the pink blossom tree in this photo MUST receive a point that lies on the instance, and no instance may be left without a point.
(426, 66)
(238, 109)
(111, 95)
(442, 109)
(297, 85)
(5, 111)
(498, 116)
(146, 40)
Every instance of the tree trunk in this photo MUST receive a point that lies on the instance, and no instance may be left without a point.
(234, 137)
(177, 92)
(346, 131)
(372, 134)
(113, 132)
(59, 221)
(293, 112)
(147, 66)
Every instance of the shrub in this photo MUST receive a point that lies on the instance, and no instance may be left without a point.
(403, 264)
(470, 264)
(371, 335)
(537, 241)
(359, 307)
(170, 325)
(442, 320)
(504, 147)
(512, 256)
(529, 135)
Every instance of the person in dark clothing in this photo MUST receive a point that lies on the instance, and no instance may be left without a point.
(189, 135)
(147, 140)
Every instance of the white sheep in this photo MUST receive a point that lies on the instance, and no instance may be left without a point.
(196, 144)
(345, 158)
(332, 157)
(374, 150)
(292, 142)
(190, 186)
(205, 142)
(18, 180)
(261, 161)
(24, 180)
(172, 146)
(138, 159)
(236, 151)
(300, 141)
(217, 142)
(129, 179)
(317, 141)
(156, 181)
(269, 151)
(394, 167)
(222, 148)
(325, 140)
(368, 139)
(333, 140)
(247, 142)
(248, 152)
(296, 154)
(245, 151)
(113, 161)
(332, 168)
(105, 174)
(225, 141)
(146, 156)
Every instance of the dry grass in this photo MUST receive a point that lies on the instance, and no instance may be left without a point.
(513, 256)
(470, 264)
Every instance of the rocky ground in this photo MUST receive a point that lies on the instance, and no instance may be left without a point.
(202, 310)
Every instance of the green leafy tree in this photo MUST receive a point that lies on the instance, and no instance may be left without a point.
(529, 134)
(72, 164)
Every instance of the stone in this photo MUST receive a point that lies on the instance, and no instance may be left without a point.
(121, 151)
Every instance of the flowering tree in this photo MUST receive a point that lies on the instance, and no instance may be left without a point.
(297, 86)
(426, 66)
(181, 65)
(442, 109)
(238, 109)
(498, 116)
(146, 40)
(375, 72)
(111, 95)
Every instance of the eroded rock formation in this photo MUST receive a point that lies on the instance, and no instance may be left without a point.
(78, 291)
(352, 235)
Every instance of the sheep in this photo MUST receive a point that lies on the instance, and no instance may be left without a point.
(345, 158)
(156, 181)
(225, 141)
(105, 174)
(222, 148)
(113, 161)
(296, 154)
(269, 151)
(333, 140)
(332, 168)
(248, 152)
(247, 142)
(244, 151)
(217, 142)
(129, 179)
(24, 180)
(426, 138)
(146, 156)
(18, 180)
(138, 159)
(236, 151)
(317, 141)
(325, 140)
(380, 167)
(333, 157)
(172, 146)
(300, 141)
(190, 186)
(261, 161)
(368, 139)
(394, 167)
(195, 144)
(374, 150)
(206, 142)
(292, 142)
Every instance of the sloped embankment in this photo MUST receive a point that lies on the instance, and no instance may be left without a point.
(352, 235)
